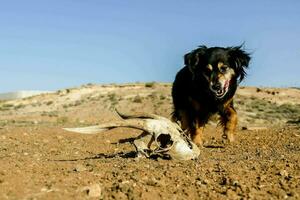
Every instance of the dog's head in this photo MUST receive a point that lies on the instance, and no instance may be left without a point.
(219, 67)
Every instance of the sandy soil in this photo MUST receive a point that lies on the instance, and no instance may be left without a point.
(39, 160)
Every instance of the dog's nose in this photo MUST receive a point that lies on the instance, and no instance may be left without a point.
(216, 86)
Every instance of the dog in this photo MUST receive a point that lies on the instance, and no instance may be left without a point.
(206, 85)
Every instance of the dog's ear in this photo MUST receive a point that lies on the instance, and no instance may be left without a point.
(193, 58)
(240, 60)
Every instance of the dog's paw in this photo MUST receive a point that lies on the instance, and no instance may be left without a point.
(198, 142)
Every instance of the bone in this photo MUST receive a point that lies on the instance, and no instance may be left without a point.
(167, 136)
(139, 115)
(130, 123)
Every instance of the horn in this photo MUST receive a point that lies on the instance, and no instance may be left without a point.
(87, 130)
(139, 115)
(130, 123)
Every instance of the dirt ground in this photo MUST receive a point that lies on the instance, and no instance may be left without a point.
(39, 160)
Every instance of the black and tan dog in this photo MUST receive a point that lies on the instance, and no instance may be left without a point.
(205, 86)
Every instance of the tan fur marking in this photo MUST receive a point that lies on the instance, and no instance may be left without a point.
(220, 64)
(228, 102)
(197, 134)
(232, 120)
(229, 120)
(210, 67)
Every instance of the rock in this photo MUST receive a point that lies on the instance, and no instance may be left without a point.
(198, 183)
(79, 168)
(284, 173)
(235, 183)
(59, 137)
(93, 190)
(232, 194)
(153, 182)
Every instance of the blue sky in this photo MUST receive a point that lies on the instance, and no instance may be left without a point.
(53, 44)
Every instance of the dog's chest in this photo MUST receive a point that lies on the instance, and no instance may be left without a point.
(203, 105)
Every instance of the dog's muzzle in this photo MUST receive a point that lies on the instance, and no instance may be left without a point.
(219, 90)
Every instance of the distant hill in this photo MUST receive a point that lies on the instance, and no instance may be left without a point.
(20, 94)
(91, 104)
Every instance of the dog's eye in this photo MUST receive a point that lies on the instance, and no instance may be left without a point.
(223, 68)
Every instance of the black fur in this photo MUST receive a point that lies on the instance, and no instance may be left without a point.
(190, 82)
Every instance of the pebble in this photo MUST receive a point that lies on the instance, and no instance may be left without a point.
(80, 168)
(231, 194)
(154, 182)
(284, 173)
(93, 190)
(59, 137)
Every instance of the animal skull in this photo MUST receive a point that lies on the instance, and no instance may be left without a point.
(167, 136)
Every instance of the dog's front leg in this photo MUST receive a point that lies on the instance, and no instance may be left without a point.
(197, 132)
(229, 120)
(193, 126)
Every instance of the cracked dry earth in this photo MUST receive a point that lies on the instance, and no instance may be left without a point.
(45, 162)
